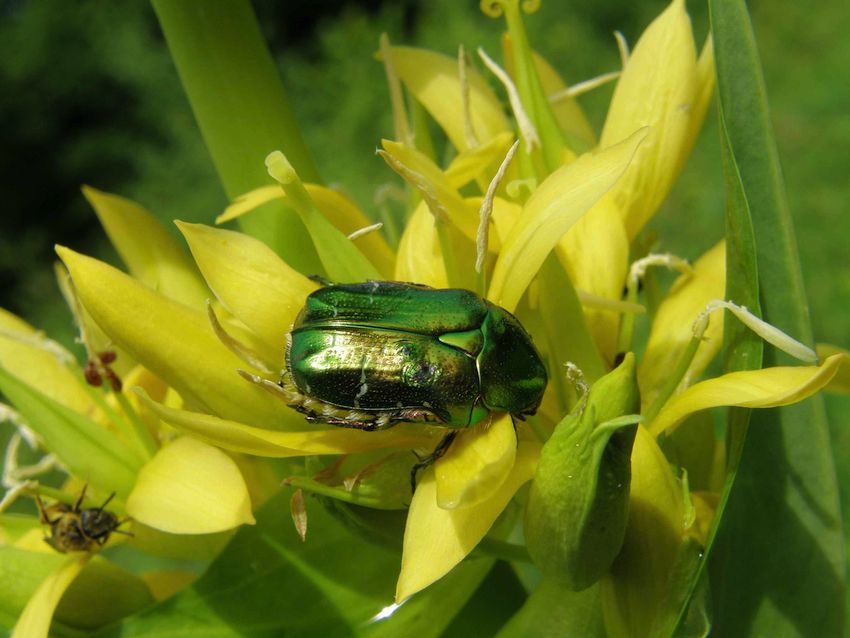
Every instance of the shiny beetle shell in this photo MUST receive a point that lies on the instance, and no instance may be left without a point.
(372, 354)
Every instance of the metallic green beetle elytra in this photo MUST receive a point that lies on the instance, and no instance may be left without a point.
(372, 354)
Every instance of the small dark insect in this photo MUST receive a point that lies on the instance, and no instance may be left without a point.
(73, 529)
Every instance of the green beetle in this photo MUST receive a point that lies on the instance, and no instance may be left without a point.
(369, 355)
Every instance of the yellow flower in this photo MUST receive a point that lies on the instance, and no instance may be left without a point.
(162, 483)
(556, 254)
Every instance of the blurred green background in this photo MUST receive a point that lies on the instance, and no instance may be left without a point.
(89, 95)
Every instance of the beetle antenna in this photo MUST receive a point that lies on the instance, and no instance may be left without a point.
(80, 499)
(106, 502)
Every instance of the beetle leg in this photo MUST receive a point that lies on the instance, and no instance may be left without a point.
(356, 424)
(324, 281)
(439, 451)
(269, 386)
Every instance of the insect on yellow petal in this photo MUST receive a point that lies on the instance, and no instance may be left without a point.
(238, 437)
(171, 340)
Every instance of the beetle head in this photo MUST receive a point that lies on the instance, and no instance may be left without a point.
(512, 373)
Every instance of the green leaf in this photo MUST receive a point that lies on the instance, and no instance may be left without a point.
(427, 614)
(552, 611)
(102, 593)
(267, 582)
(21, 572)
(780, 539)
(242, 110)
(88, 450)
(498, 598)
(742, 349)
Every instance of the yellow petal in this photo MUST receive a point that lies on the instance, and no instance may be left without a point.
(238, 437)
(434, 80)
(35, 619)
(250, 281)
(841, 381)
(706, 78)
(658, 88)
(149, 252)
(476, 465)
(190, 487)
(705, 507)
(96, 339)
(639, 579)
(173, 341)
(33, 541)
(341, 211)
(672, 328)
(37, 367)
(420, 259)
(766, 388)
(471, 164)
(442, 198)
(249, 201)
(595, 253)
(436, 539)
(165, 583)
(347, 217)
(555, 206)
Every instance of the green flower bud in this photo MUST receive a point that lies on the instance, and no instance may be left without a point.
(578, 506)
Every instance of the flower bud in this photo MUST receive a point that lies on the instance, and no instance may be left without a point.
(578, 506)
(637, 589)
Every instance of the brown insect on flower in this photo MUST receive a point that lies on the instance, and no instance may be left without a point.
(73, 529)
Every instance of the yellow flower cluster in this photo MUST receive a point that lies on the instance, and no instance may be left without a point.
(559, 227)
